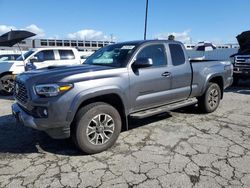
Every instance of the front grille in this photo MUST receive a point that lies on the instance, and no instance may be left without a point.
(20, 92)
(242, 62)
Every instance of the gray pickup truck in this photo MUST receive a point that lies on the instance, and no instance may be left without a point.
(92, 102)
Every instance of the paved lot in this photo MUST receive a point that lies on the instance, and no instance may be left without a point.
(179, 149)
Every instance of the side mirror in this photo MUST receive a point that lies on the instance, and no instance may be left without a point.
(143, 63)
(33, 59)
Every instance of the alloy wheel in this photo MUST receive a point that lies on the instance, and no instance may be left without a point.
(8, 85)
(100, 129)
(213, 98)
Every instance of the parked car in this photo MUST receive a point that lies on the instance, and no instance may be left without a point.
(83, 58)
(241, 60)
(7, 57)
(92, 102)
(35, 59)
(84, 55)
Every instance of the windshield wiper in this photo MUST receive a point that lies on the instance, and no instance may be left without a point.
(102, 64)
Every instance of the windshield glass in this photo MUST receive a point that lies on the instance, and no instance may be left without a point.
(116, 55)
(27, 54)
(3, 58)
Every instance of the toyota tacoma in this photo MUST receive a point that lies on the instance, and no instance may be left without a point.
(92, 102)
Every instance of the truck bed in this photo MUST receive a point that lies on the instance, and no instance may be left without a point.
(202, 69)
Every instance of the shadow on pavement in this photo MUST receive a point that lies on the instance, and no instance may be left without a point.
(11, 98)
(18, 139)
(135, 123)
(193, 109)
(243, 87)
(239, 90)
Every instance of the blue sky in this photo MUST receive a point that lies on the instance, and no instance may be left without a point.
(213, 20)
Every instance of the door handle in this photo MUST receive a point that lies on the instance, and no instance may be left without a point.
(166, 74)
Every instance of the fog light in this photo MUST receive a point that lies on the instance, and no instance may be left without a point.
(42, 112)
(45, 112)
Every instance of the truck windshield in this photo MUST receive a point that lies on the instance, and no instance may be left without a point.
(27, 54)
(116, 55)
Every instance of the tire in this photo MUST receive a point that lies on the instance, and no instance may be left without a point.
(97, 127)
(7, 84)
(210, 100)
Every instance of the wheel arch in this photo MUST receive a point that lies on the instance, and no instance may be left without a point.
(6, 73)
(112, 99)
(218, 80)
(215, 78)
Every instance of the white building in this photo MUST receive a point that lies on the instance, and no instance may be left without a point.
(81, 45)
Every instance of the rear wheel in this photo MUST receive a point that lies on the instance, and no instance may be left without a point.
(7, 84)
(210, 100)
(97, 127)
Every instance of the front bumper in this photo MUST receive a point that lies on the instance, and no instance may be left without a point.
(59, 130)
(241, 73)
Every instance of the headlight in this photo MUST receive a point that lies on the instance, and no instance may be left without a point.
(50, 90)
(232, 59)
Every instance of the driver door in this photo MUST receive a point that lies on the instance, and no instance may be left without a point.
(45, 58)
(148, 86)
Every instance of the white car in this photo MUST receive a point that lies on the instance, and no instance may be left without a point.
(35, 58)
(8, 57)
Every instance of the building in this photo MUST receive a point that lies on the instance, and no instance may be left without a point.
(81, 45)
(222, 52)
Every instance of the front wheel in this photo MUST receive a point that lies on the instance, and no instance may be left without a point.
(7, 84)
(97, 127)
(210, 100)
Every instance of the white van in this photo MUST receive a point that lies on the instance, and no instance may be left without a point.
(39, 58)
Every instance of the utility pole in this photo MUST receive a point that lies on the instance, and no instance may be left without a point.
(146, 20)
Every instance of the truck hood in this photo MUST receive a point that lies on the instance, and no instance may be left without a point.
(74, 73)
(244, 42)
(5, 66)
(11, 62)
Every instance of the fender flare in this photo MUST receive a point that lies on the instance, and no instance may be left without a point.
(210, 77)
(93, 93)
(5, 73)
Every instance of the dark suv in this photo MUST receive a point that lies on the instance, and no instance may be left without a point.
(241, 60)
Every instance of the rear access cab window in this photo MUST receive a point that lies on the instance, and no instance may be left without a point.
(66, 54)
(177, 54)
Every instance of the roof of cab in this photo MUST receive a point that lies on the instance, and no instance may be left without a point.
(53, 48)
(139, 42)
